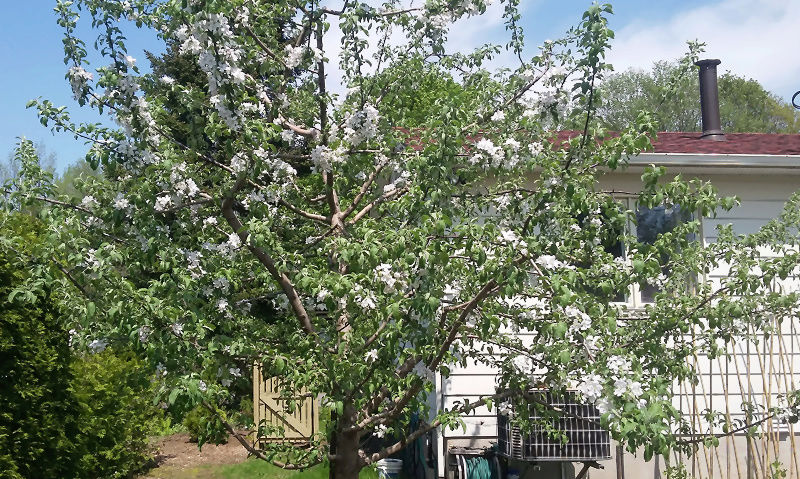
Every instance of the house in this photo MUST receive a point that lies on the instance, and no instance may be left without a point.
(763, 170)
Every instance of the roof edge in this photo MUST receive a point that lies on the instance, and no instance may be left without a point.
(716, 160)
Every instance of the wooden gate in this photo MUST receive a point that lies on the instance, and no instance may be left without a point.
(270, 409)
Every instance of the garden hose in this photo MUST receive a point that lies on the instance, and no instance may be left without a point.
(478, 467)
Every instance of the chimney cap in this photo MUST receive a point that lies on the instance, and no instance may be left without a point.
(708, 62)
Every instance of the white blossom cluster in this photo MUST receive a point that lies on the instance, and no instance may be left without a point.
(401, 179)
(485, 150)
(79, 79)
(510, 238)
(499, 156)
(393, 281)
(278, 170)
(528, 307)
(580, 321)
(546, 93)
(294, 55)
(193, 263)
(121, 203)
(361, 126)
(324, 158)
(364, 299)
(548, 261)
(591, 387)
(211, 38)
(184, 187)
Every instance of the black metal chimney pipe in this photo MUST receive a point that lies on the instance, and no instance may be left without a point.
(709, 100)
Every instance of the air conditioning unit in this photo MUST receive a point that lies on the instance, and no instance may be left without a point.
(586, 439)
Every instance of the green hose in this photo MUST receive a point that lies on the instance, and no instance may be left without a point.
(480, 468)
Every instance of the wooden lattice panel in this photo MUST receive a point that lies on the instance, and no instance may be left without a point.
(269, 408)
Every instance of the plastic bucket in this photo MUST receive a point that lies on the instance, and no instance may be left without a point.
(389, 468)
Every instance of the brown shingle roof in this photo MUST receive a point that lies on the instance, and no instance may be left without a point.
(736, 144)
(761, 144)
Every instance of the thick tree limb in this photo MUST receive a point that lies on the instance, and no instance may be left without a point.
(265, 259)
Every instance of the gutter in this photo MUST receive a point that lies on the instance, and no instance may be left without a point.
(716, 160)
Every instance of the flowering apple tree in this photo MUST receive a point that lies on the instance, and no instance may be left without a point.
(252, 212)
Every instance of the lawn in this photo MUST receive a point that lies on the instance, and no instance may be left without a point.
(250, 469)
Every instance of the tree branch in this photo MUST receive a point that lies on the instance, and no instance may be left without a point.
(265, 259)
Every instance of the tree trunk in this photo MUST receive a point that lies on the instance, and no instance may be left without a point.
(348, 461)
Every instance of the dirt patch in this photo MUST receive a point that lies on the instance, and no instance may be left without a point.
(176, 453)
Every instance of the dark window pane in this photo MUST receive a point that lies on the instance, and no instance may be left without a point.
(650, 223)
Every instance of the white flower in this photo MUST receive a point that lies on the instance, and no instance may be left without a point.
(238, 163)
(222, 305)
(202, 386)
(211, 220)
(498, 116)
(366, 302)
(144, 333)
(177, 328)
(371, 355)
(535, 148)
(487, 147)
(163, 202)
(591, 387)
(618, 365)
(361, 125)
(236, 372)
(324, 158)
(287, 136)
(549, 262)
(603, 405)
(79, 80)
(120, 202)
(130, 61)
(161, 370)
(89, 202)
(234, 241)
(635, 387)
(294, 55)
(620, 387)
(167, 80)
(512, 143)
(221, 283)
(98, 345)
(380, 430)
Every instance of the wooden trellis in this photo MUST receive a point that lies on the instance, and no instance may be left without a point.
(270, 409)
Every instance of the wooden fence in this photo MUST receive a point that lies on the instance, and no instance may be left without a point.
(270, 409)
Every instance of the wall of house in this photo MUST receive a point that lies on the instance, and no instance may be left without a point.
(750, 374)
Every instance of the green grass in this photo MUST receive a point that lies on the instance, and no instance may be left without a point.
(250, 469)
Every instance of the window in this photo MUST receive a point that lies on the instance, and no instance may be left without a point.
(649, 224)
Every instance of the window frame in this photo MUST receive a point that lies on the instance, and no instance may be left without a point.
(633, 297)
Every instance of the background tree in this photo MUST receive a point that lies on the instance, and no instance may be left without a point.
(38, 414)
(745, 106)
(397, 254)
(11, 167)
(62, 414)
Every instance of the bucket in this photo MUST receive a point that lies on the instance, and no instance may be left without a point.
(389, 468)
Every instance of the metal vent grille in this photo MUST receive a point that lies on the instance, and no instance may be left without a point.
(580, 423)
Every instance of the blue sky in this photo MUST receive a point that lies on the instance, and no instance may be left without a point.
(753, 38)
